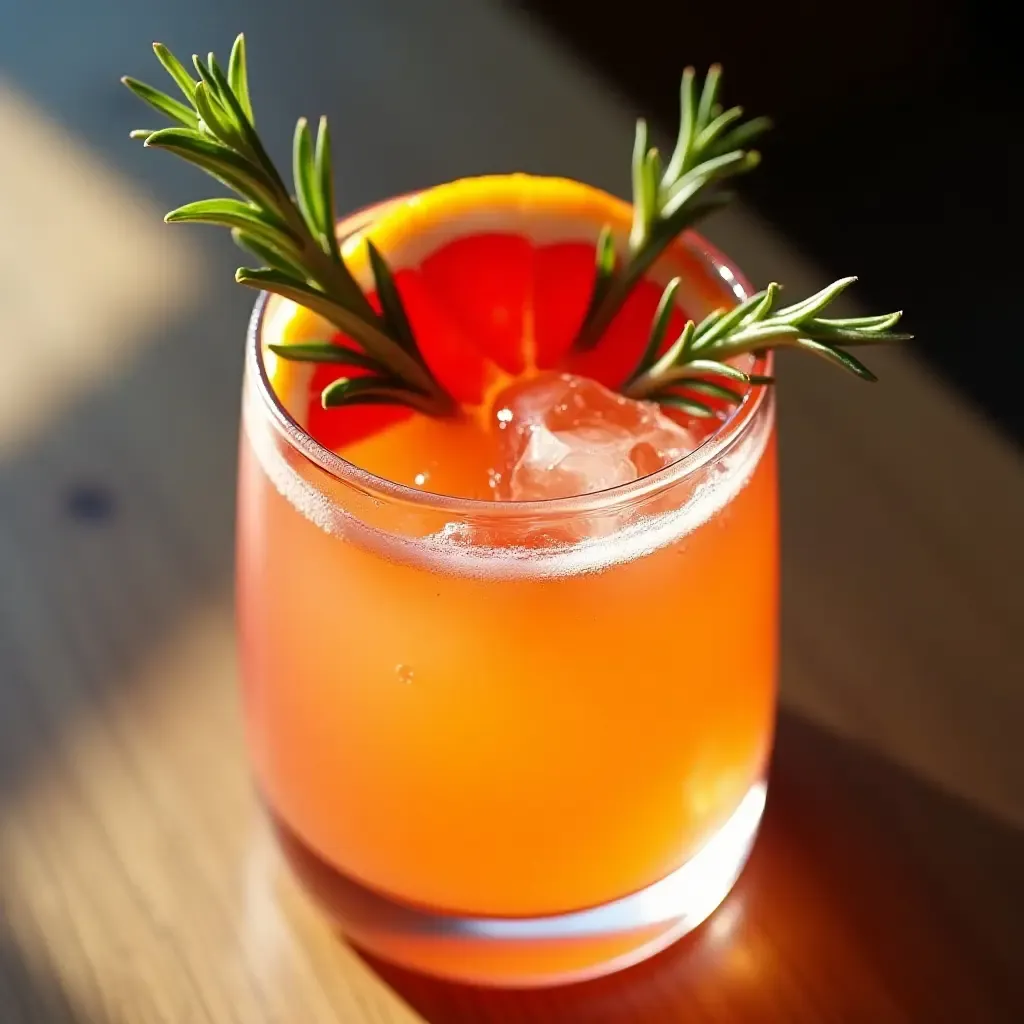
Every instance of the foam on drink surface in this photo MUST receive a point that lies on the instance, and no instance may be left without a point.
(562, 438)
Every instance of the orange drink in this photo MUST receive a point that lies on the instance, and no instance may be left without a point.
(511, 741)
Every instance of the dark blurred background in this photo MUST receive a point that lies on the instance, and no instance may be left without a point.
(898, 132)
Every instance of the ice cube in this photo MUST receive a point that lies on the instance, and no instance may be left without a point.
(564, 435)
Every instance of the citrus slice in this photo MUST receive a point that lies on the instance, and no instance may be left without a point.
(495, 274)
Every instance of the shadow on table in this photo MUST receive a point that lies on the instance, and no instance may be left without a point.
(115, 521)
(28, 996)
(831, 921)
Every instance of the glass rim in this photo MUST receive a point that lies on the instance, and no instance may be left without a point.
(348, 473)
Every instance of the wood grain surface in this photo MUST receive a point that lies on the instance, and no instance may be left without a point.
(138, 883)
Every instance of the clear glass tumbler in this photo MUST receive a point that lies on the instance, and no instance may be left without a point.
(511, 743)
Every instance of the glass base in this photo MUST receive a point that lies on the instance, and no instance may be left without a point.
(536, 951)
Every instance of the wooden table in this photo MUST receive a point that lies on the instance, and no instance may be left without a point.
(137, 880)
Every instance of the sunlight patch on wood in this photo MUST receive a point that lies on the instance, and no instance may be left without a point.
(87, 269)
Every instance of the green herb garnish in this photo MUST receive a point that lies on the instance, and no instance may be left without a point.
(677, 377)
(294, 237)
(710, 148)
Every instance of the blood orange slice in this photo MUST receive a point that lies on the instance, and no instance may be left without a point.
(495, 274)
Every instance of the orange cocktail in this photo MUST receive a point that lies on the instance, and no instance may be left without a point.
(466, 714)
(507, 536)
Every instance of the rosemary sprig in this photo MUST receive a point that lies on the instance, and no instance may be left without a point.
(294, 237)
(711, 147)
(679, 376)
